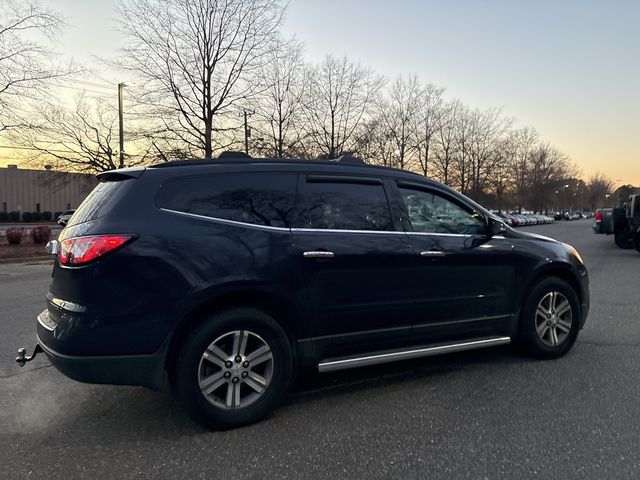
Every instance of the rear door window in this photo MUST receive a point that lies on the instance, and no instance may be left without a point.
(342, 203)
(258, 199)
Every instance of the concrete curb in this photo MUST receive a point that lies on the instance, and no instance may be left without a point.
(27, 259)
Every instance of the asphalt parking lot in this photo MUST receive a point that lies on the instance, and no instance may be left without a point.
(484, 414)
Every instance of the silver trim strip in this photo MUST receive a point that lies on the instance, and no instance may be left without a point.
(318, 254)
(226, 222)
(335, 230)
(441, 234)
(433, 253)
(376, 359)
(298, 229)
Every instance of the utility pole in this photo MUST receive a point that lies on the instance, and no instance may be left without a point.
(247, 130)
(121, 121)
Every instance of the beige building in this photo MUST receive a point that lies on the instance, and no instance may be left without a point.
(42, 190)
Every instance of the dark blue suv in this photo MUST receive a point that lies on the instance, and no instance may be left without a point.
(222, 278)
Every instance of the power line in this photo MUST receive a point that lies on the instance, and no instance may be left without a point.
(91, 84)
(83, 90)
(13, 147)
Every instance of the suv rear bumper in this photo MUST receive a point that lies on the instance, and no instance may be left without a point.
(141, 370)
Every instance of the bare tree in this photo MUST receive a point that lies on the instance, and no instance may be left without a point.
(195, 60)
(428, 125)
(446, 141)
(489, 130)
(524, 141)
(278, 105)
(374, 143)
(548, 168)
(340, 96)
(399, 113)
(83, 138)
(27, 66)
(599, 189)
(461, 172)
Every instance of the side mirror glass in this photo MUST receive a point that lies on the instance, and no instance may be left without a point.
(496, 227)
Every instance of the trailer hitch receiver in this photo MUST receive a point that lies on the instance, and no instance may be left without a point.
(22, 357)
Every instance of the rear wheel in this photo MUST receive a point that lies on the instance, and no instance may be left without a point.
(233, 369)
(550, 319)
(636, 241)
(624, 240)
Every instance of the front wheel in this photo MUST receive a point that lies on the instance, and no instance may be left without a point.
(233, 369)
(550, 319)
(636, 241)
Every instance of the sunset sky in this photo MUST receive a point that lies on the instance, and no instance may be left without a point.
(568, 68)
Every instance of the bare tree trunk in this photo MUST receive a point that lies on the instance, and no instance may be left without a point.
(196, 60)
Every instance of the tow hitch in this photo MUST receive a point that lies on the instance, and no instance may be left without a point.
(22, 358)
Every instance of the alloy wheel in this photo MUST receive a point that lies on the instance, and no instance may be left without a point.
(554, 318)
(235, 369)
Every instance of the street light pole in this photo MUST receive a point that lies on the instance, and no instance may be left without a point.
(618, 193)
(121, 121)
(247, 130)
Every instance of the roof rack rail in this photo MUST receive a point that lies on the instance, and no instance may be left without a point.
(347, 158)
(233, 154)
(241, 157)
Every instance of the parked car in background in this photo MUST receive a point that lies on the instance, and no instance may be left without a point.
(222, 278)
(603, 221)
(64, 218)
(572, 216)
(624, 224)
(505, 217)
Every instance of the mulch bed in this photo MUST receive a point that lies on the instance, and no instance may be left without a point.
(26, 249)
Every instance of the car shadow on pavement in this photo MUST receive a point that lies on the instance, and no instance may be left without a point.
(99, 413)
(313, 385)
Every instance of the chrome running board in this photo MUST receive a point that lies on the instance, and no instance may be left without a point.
(343, 363)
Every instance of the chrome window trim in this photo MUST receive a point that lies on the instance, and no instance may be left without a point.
(225, 221)
(337, 230)
(466, 235)
(310, 230)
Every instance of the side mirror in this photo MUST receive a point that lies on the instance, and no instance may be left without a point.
(496, 227)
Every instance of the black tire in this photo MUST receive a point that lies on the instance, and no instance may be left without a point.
(624, 240)
(185, 374)
(636, 241)
(528, 335)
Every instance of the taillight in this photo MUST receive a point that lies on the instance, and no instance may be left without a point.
(598, 216)
(79, 250)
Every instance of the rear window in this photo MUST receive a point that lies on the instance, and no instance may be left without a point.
(259, 199)
(98, 203)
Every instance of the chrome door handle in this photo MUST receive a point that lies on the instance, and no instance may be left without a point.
(432, 253)
(318, 254)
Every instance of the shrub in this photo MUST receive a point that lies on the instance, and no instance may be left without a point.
(41, 234)
(46, 216)
(37, 216)
(14, 235)
(27, 217)
(4, 216)
(14, 216)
